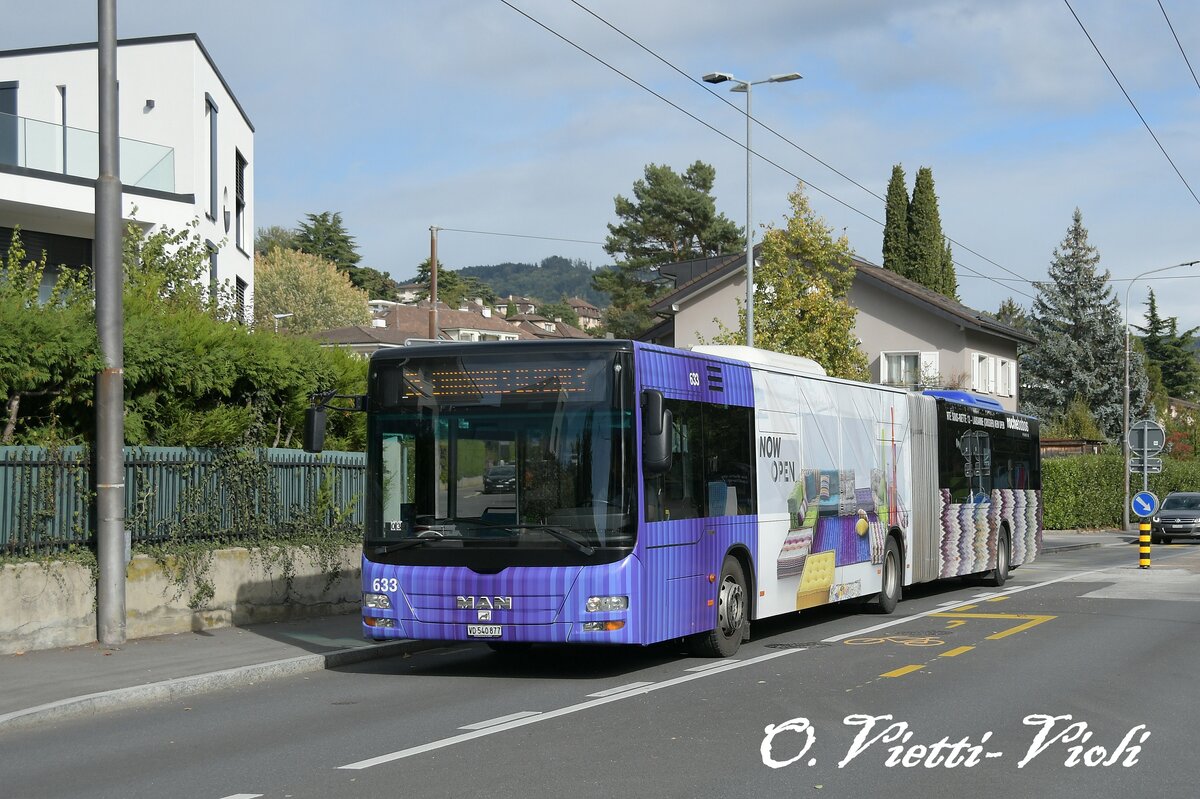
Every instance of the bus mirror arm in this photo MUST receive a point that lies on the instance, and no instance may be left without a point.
(314, 417)
(656, 433)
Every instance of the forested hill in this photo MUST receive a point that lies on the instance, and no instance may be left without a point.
(554, 278)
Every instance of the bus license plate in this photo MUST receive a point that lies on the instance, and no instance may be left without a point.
(483, 630)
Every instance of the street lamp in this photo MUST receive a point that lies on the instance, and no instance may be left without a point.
(278, 316)
(744, 86)
(1125, 428)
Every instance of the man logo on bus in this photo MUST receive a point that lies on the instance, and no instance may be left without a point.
(484, 602)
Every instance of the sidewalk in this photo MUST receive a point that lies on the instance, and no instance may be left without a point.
(85, 680)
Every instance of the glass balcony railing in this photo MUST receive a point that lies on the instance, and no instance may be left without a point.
(34, 144)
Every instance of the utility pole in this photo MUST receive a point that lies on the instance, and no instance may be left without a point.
(111, 537)
(433, 309)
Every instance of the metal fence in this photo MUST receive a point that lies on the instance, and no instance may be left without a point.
(46, 495)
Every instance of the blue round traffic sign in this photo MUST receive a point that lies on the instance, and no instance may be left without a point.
(1144, 503)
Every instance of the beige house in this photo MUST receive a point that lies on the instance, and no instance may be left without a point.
(912, 336)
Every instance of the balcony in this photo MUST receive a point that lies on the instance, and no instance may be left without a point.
(33, 144)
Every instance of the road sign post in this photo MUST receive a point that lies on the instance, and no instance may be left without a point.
(1144, 504)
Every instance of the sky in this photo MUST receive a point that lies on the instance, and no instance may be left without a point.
(498, 116)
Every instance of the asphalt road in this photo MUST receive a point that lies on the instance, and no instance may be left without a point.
(964, 691)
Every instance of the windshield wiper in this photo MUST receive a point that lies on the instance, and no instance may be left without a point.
(421, 541)
(556, 532)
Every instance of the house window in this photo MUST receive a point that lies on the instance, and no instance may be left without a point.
(1006, 374)
(983, 373)
(900, 368)
(210, 108)
(239, 307)
(239, 178)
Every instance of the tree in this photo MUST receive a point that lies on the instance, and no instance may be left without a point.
(378, 285)
(1013, 315)
(895, 224)
(559, 310)
(268, 238)
(1168, 356)
(1080, 350)
(927, 254)
(453, 287)
(325, 235)
(801, 286)
(317, 294)
(671, 218)
(49, 351)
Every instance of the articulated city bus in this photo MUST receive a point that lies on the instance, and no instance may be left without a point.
(608, 491)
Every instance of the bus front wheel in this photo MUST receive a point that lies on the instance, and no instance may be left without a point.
(732, 610)
(999, 576)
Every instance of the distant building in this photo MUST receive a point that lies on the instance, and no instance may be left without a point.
(394, 325)
(541, 327)
(187, 152)
(409, 293)
(589, 315)
(522, 305)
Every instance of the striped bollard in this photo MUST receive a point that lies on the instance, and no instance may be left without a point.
(1144, 545)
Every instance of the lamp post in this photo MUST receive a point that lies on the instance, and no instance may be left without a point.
(278, 316)
(744, 86)
(1125, 428)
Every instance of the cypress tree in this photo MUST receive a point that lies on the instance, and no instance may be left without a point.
(895, 224)
(925, 252)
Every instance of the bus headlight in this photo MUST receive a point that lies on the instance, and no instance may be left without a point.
(377, 601)
(601, 603)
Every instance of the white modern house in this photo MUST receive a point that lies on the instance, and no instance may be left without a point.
(186, 151)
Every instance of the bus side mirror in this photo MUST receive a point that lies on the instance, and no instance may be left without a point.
(656, 434)
(314, 429)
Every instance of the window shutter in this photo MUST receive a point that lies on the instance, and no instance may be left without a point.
(991, 375)
(883, 368)
(975, 372)
(928, 365)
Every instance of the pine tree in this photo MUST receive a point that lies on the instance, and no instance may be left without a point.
(1080, 350)
(895, 224)
(324, 235)
(1013, 315)
(927, 252)
(1168, 356)
(800, 305)
(672, 217)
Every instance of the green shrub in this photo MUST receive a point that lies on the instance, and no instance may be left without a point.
(1088, 491)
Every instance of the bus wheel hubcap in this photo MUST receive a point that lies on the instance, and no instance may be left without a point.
(732, 606)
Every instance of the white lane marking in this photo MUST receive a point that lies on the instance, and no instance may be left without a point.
(713, 665)
(985, 595)
(620, 689)
(553, 714)
(242, 796)
(520, 714)
(943, 608)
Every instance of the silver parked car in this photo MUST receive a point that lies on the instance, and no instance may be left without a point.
(1178, 517)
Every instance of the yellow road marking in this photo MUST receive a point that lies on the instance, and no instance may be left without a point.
(964, 607)
(950, 625)
(998, 599)
(900, 672)
(956, 651)
(1030, 620)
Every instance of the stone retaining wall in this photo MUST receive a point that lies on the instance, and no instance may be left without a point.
(44, 606)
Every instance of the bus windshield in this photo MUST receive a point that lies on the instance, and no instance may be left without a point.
(502, 455)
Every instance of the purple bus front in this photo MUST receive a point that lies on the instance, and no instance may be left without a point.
(505, 494)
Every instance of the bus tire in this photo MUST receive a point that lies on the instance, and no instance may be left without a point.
(893, 578)
(999, 575)
(732, 619)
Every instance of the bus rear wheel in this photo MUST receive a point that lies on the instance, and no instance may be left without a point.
(732, 616)
(999, 575)
(889, 595)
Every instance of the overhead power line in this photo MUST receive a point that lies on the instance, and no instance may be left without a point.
(520, 236)
(1179, 44)
(1131, 102)
(726, 136)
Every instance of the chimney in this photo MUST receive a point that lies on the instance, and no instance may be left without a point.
(487, 312)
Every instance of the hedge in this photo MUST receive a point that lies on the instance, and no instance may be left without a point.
(1088, 491)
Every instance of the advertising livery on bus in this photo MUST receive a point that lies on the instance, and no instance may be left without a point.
(619, 492)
